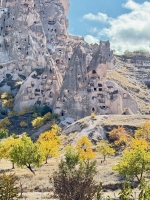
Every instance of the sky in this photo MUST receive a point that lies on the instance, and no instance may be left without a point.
(125, 23)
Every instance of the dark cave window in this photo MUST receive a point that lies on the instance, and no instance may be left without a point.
(93, 72)
(99, 85)
(93, 109)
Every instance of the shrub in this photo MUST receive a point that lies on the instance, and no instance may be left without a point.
(4, 123)
(9, 103)
(8, 188)
(75, 179)
(6, 95)
(3, 133)
(21, 112)
(35, 115)
(25, 108)
(45, 109)
(93, 115)
(37, 122)
(23, 124)
(10, 114)
(47, 116)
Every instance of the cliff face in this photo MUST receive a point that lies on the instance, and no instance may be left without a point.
(55, 68)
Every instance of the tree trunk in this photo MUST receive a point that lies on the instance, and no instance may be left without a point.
(29, 167)
(46, 159)
(104, 158)
(13, 165)
(21, 190)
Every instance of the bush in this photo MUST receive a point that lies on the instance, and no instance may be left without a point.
(45, 109)
(38, 122)
(47, 116)
(6, 95)
(93, 115)
(8, 188)
(21, 112)
(4, 123)
(3, 133)
(23, 124)
(9, 103)
(74, 179)
(25, 108)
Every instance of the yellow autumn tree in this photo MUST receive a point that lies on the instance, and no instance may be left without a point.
(49, 143)
(105, 149)
(37, 122)
(56, 128)
(84, 146)
(6, 145)
(135, 162)
(144, 131)
(135, 142)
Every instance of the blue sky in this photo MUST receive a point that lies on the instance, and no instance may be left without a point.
(126, 23)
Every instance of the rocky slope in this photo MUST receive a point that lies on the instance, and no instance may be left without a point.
(97, 128)
(130, 77)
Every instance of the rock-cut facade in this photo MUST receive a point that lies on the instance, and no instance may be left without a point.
(41, 64)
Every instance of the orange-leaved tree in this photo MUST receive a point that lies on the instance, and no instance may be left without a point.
(119, 136)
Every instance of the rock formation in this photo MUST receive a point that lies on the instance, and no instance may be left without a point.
(53, 67)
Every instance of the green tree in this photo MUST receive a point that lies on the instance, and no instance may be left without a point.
(74, 178)
(8, 188)
(3, 133)
(105, 149)
(26, 153)
(135, 162)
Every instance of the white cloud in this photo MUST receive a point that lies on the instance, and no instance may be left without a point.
(94, 30)
(91, 39)
(130, 31)
(99, 17)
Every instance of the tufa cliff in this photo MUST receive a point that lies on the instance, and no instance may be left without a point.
(40, 63)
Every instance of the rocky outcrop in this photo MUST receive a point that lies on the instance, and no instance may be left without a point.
(53, 67)
(97, 128)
